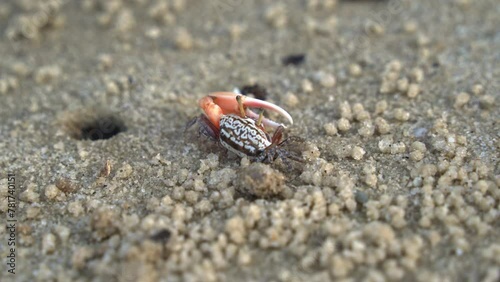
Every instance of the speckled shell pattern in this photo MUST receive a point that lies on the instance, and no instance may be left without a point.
(242, 136)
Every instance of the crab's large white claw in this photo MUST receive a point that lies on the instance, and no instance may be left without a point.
(265, 121)
(256, 103)
(227, 102)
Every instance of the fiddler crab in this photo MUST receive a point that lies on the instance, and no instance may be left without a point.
(228, 119)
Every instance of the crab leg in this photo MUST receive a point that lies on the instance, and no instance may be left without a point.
(228, 103)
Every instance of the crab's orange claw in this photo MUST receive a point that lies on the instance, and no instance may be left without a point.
(212, 110)
(227, 101)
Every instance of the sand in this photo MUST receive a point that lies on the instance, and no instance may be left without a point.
(395, 106)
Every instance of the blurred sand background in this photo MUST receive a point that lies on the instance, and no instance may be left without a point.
(397, 102)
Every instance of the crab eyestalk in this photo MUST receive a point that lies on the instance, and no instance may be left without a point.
(259, 120)
(240, 106)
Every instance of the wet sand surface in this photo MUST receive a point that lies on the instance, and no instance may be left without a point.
(396, 103)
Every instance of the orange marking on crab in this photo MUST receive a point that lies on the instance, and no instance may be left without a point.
(223, 103)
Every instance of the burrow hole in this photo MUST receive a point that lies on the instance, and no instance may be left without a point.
(93, 125)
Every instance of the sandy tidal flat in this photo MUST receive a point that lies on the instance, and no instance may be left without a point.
(396, 104)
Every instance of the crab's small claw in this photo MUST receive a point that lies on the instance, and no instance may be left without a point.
(229, 105)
